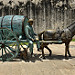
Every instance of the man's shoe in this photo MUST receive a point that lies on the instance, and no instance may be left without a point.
(38, 49)
(32, 55)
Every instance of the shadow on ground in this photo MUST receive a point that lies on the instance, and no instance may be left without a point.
(39, 58)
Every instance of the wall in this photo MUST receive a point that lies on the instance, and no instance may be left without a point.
(47, 14)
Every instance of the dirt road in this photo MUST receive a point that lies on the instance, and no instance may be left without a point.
(54, 65)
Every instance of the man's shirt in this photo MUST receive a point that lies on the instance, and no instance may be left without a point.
(29, 32)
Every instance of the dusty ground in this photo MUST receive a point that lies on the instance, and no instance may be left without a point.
(54, 65)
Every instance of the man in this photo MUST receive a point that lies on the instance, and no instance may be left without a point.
(30, 35)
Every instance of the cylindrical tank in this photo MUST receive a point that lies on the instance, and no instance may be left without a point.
(16, 23)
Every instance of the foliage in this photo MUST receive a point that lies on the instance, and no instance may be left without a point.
(73, 39)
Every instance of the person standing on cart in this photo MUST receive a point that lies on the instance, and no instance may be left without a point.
(30, 36)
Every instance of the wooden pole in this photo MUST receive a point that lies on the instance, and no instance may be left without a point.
(63, 14)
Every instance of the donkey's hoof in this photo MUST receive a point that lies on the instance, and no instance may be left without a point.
(70, 56)
(43, 57)
(65, 56)
(50, 53)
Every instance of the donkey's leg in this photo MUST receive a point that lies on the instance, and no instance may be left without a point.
(66, 49)
(43, 56)
(42, 48)
(50, 52)
(69, 51)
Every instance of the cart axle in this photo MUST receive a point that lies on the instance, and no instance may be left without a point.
(3, 45)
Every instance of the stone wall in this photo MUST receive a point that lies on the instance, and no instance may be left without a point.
(47, 14)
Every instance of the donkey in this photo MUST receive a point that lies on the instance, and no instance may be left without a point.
(64, 35)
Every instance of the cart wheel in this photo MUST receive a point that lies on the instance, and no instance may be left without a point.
(8, 41)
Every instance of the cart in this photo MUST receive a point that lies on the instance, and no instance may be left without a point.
(12, 27)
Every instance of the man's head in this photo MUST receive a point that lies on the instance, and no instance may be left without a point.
(30, 21)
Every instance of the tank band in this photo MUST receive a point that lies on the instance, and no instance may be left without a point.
(23, 31)
(12, 23)
(2, 21)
